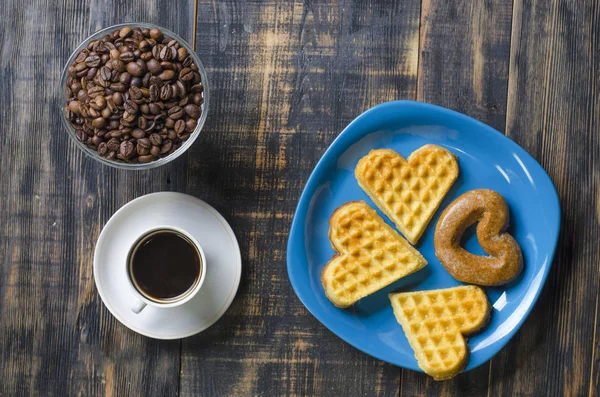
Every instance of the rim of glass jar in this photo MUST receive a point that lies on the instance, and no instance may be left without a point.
(121, 165)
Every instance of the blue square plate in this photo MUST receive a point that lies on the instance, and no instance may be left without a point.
(487, 159)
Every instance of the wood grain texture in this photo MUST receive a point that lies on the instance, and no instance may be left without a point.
(56, 337)
(463, 65)
(285, 79)
(553, 112)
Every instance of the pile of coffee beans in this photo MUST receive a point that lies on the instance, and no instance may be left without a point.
(134, 95)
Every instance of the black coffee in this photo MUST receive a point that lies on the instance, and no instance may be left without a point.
(164, 265)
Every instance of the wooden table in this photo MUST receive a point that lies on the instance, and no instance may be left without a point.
(285, 79)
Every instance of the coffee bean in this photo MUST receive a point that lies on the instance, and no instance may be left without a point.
(126, 149)
(96, 140)
(166, 92)
(135, 93)
(144, 45)
(142, 151)
(166, 75)
(113, 144)
(169, 122)
(155, 151)
(186, 74)
(155, 139)
(198, 99)
(179, 126)
(83, 54)
(138, 133)
(156, 34)
(91, 73)
(165, 54)
(83, 110)
(136, 82)
(114, 54)
(80, 135)
(100, 102)
(131, 107)
(154, 66)
(154, 108)
(99, 122)
(81, 67)
(175, 112)
(190, 125)
(145, 159)
(125, 32)
(106, 112)
(106, 73)
(102, 149)
(146, 56)
(146, 80)
(166, 147)
(74, 106)
(128, 117)
(181, 54)
(92, 61)
(117, 65)
(134, 69)
(118, 87)
(193, 111)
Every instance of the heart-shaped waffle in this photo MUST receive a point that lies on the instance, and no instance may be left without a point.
(435, 321)
(371, 255)
(408, 192)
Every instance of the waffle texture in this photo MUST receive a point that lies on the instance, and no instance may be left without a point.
(435, 321)
(408, 192)
(371, 255)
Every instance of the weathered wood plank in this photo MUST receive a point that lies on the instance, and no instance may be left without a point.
(463, 65)
(56, 338)
(553, 112)
(285, 79)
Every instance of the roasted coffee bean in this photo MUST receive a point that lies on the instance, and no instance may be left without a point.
(141, 150)
(135, 93)
(169, 122)
(117, 98)
(117, 87)
(179, 126)
(156, 51)
(154, 66)
(93, 113)
(114, 53)
(193, 111)
(126, 149)
(131, 107)
(125, 32)
(166, 92)
(142, 123)
(74, 106)
(198, 99)
(186, 74)
(102, 148)
(96, 140)
(165, 54)
(181, 54)
(146, 56)
(155, 151)
(146, 79)
(125, 78)
(166, 75)
(156, 34)
(135, 69)
(136, 81)
(81, 136)
(106, 73)
(166, 147)
(190, 125)
(92, 61)
(99, 102)
(145, 159)
(138, 133)
(144, 108)
(175, 112)
(127, 57)
(113, 144)
(167, 65)
(117, 65)
(155, 139)
(154, 108)
(83, 54)
(81, 67)
(91, 73)
(128, 117)
(144, 45)
(106, 112)
(154, 93)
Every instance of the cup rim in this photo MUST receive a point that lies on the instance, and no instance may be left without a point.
(188, 294)
(62, 99)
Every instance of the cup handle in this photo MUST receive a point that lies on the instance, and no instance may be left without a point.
(138, 307)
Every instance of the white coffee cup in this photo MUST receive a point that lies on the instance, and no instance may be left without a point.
(143, 299)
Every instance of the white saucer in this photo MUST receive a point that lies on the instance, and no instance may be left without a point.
(223, 271)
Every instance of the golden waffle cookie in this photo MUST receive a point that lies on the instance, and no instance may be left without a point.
(408, 192)
(371, 255)
(435, 321)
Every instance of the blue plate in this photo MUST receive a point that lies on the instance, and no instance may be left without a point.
(487, 159)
